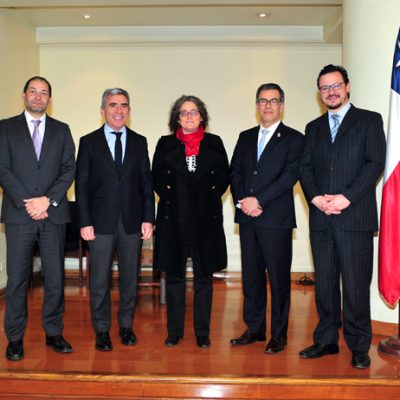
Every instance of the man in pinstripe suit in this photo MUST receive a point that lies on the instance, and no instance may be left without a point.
(343, 159)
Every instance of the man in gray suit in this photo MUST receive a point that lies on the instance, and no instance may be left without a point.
(37, 166)
(343, 159)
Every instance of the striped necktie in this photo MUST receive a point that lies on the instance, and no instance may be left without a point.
(335, 127)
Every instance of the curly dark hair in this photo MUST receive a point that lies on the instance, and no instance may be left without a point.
(328, 69)
(176, 108)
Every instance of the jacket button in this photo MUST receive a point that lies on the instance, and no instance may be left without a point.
(168, 171)
(255, 172)
(213, 187)
(168, 187)
(168, 202)
(166, 217)
(251, 190)
(212, 172)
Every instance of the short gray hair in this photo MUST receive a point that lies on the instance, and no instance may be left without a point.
(109, 92)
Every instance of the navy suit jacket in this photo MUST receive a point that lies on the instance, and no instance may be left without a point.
(271, 179)
(103, 192)
(22, 176)
(350, 166)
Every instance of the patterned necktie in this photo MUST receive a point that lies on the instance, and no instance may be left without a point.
(118, 150)
(37, 140)
(335, 127)
(261, 143)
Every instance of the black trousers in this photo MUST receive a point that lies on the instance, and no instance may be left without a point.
(21, 240)
(347, 255)
(128, 247)
(176, 299)
(266, 249)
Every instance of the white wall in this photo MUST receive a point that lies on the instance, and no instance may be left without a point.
(19, 61)
(224, 76)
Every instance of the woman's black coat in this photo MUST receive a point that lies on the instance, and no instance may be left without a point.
(183, 196)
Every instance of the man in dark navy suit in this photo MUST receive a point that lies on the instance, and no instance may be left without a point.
(264, 169)
(37, 166)
(114, 192)
(343, 159)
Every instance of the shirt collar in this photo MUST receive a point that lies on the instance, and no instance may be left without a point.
(342, 112)
(271, 128)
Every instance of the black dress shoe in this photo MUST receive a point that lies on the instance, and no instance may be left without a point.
(203, 341)
(275, 346)
(59, 344)
(360, 359)
(103, 341)
(319, 350)
(128, 337)
(172, 340)
(15, 350)
(248, 337)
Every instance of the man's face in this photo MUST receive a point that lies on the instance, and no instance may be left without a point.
(269, 111)
(116, 111)
(36, 98)
(333, 91)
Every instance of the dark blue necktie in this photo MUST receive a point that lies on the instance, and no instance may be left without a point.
(118, 150)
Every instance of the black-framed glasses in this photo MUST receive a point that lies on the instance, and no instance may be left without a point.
(272, 102)
(334, 86)
(192, 113)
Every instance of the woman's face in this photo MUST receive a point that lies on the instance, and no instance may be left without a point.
(189, 117)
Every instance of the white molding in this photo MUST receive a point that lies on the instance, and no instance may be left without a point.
(178, 34)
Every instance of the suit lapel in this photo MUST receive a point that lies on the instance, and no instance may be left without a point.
(348, 120)
(48, 138)
(176, 156)
(206, 159)
(103, 147)
(274, 141)
(24, 135)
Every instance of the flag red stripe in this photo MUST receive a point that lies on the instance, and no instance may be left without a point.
(389, 239)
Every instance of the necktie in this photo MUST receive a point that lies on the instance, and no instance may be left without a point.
(261, 143)
(118, 150)
(37, 140)
(335, 127)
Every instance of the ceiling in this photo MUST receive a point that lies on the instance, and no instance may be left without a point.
(279, 13)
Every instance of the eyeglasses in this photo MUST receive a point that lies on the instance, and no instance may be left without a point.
(334, 86)
(192, 113)
(272, 102)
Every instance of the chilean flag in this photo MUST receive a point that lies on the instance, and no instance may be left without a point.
(389, 239)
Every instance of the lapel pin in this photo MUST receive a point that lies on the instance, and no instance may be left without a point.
(278, 135)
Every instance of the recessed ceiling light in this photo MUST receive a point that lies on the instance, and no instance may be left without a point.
(86, 16)
(264, 14)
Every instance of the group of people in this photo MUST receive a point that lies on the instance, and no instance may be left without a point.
(338, 161)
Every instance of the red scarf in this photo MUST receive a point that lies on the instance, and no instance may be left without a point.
(191, 140)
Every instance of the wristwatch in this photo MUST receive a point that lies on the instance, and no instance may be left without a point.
(52, 202)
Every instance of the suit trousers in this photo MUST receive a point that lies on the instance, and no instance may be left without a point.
(128, 248)
(176, 300)
(348, 255)
(271, 249)
(21, 240)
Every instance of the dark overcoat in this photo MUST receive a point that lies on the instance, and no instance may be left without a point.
(183, 197)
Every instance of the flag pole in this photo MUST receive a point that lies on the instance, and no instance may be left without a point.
(391, 346)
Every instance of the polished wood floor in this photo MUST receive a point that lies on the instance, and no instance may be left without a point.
(152, 370)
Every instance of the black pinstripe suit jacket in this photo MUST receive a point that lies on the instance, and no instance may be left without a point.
(350, 166)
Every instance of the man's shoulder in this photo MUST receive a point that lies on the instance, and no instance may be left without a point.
(288, 130)
(363, 113)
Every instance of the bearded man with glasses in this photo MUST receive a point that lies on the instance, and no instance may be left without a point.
(343, 159)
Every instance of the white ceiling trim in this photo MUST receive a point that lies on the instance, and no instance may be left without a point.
(179, 34)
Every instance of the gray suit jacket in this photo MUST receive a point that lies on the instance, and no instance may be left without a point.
(22, 176)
